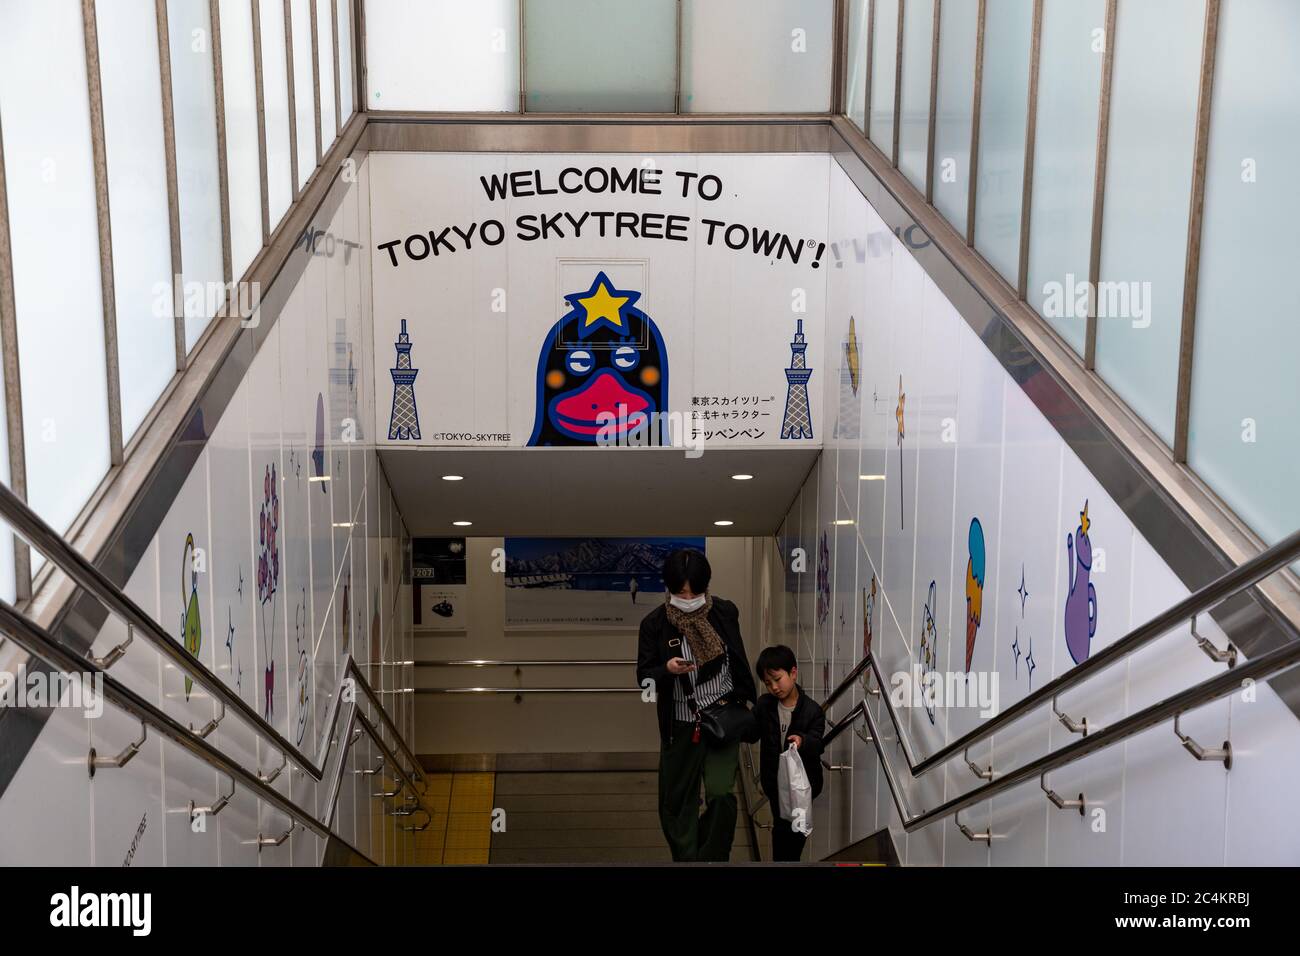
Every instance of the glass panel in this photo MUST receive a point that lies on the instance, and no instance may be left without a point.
(325, 73)
(855, 71)
(304, 97)
(957, 29)
(593, 55)
(914, 105)
(1148, 181)
(50, 187)
(194, 107)
(242, 164)
(137, 204)
(475, 46)
(275, 95)
(756, 56)
(1065, 162)
(7, 590)
(1004, 102)
(347, 81)
(1244, 430)
(884, 65)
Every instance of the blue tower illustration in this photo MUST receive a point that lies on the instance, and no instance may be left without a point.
(797, 422)
(405, 420)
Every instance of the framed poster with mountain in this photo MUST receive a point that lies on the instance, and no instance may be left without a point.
(585, 584)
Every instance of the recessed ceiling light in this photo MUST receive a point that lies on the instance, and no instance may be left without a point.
(462, 524)
(723, 524)
(453, 477)
(742, 477)
(844, 521)
(871, 477)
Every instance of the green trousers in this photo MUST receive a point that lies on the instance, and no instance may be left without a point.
(692, 836)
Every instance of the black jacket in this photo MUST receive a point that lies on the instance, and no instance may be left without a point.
(808, 722)
(654, 652)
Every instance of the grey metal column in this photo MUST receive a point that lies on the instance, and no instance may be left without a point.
(1099, 184)
(223, 170)
(1195, 225)
(259, 91)
(1031, 137)
(173, 190)
(293, 105)
(13, 396)
(107, 295)
(975, 124)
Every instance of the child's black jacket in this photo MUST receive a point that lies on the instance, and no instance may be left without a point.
(808, 722)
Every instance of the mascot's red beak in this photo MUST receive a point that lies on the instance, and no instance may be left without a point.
(604, 394)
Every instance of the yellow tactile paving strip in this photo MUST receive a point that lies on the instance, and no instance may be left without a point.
(461, 831)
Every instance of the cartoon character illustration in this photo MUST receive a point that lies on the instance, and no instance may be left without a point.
(191, 625)
(853, 354)
(823, 579)
(898, 416)
(1081, 603)
(303, 684)
(268, 577)
(318, 449)
(345, 618)
(975, 567)
(868, 608)
(602, 371)
(375, 633)
(928, 651)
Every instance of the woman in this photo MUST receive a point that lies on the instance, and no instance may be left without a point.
(692, 654)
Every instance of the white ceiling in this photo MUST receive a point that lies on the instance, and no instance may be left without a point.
(552, 492)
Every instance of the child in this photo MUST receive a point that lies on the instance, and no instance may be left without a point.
(786, 716)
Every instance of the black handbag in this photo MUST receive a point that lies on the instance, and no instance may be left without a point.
(728, 722)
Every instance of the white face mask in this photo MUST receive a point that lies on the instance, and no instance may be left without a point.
(687, 604)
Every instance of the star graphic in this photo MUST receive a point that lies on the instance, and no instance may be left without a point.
(898, 412)
(230, 633)
(1084, 522)
(1022, 591)
(241, 582)
(602, 304)
(1030, 666)
(1015, 651)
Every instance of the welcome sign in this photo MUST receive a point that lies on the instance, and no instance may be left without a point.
(557, 300)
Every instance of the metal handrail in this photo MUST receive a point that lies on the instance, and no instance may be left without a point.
(29, 525)
(528, 690)
(1226, 586)
(38, 642)
(487, 663)
(1221, 685)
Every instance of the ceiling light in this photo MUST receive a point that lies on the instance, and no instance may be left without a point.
(723, 524)
(742, 477)
(844, 521)
(453, 477)
(871, 477)
(462, 524)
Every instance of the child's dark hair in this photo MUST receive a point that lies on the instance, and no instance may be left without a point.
(687, 566)
(778, 657)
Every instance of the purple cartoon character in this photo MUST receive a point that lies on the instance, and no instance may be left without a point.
(1081, 603)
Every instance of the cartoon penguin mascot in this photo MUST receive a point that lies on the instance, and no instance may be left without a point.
(602, 374)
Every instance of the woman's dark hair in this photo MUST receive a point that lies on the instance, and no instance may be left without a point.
(687, 566)
(778, 657)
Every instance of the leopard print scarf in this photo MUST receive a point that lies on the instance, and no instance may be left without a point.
(705, 643)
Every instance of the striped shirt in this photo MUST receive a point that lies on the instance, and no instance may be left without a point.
(716, 687)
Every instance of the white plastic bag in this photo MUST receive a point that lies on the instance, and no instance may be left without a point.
(794, 792)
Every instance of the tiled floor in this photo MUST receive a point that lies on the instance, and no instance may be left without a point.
(460, 831)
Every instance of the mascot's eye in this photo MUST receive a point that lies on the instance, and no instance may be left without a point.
(626, 357)
(579, 362)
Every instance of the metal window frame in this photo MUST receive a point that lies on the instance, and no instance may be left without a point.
(1031, 138)
(293, 105)
(1099, 182)
(1195, 227)
(108, 295)
(173, 186)
(13, 392)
